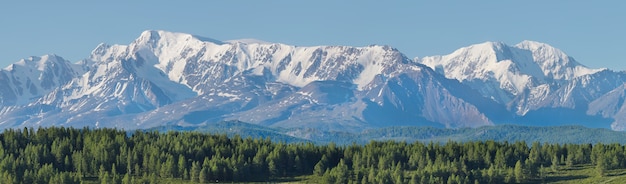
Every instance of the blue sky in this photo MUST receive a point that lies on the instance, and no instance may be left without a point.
(593, 32)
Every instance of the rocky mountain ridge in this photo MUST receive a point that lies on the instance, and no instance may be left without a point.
(164, 78)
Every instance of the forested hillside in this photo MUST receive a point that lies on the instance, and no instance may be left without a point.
(67, 155)
(498, 133)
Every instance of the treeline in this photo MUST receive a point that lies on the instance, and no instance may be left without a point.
(68, 155)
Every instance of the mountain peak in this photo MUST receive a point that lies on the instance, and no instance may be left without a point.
(486, 52)
(535, 45)
(491, 44)
(167, 77)
(100, 49)
(495, 69)
(156, 35)
(554, 62)
(249, 41)
(496, 45)
(150, 35)
(36, 62)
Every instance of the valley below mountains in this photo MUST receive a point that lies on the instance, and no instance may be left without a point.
(175, 79)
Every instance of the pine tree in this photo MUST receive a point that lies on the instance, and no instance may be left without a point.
(601, 166)
(105, 178)
(320, 167)
(491, 174)
(103, 174)
(204, 175)
(341, 172)
(415, 179)
(126, 179)
(398, 175)
(273, 168)
(328, 177)
(195, 171)
(555, 163)
(182, 166)
(519, 172)
(531, 169)
(569, 162)
(509, 176)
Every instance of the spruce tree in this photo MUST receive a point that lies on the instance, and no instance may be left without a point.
(519, 172)
(204, 175)
(601, 166)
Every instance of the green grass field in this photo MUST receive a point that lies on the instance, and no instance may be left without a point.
(577, 174)
(585, 174)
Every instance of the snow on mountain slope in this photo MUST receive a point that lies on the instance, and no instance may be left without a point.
(179, 55)
(321, 104)
(211, 64)
(33, 77)
(248, 41)
(412, 95)
(111, 89)
(498, 71)
(502, 72)
(419, 95)
(579, 91)
(576, 93)
(554, 63)
(161, 68)
(166, 78)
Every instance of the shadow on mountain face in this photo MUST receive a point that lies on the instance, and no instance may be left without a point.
(387, 116)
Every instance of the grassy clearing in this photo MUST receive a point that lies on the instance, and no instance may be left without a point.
(585, 174)
(577, 174)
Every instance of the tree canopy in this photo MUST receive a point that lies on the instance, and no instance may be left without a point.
(69, 155)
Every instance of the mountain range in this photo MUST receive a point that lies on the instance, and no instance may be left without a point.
(176, 79)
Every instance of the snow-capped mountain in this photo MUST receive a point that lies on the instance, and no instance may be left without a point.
(416, 96)
(166, 78)
(536, 81)
(501, 72)
(33, 77)
(554, 63)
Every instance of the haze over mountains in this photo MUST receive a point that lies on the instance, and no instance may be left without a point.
(166, 78)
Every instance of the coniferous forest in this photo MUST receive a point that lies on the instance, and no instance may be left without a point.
(69, 155)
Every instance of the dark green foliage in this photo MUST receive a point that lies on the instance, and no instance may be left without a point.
(67, 155)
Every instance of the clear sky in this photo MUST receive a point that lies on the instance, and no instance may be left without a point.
(593, 32)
